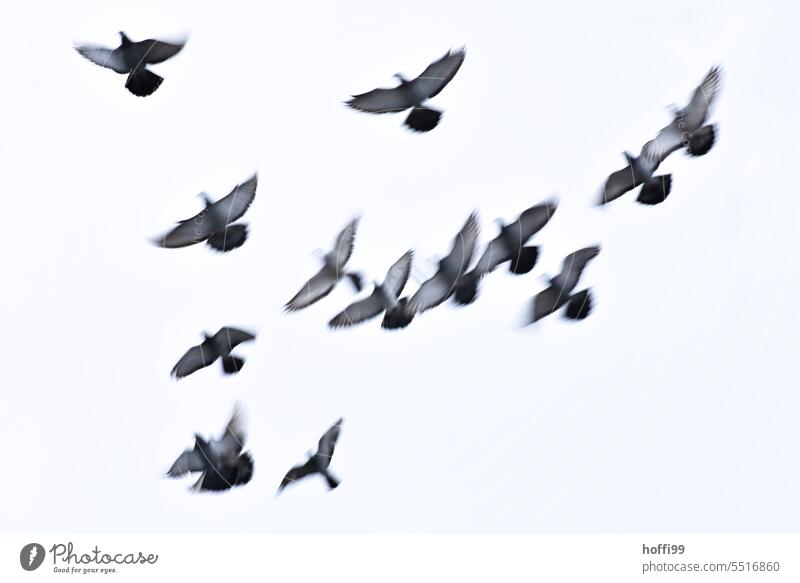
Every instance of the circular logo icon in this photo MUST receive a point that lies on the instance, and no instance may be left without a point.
(31, 556)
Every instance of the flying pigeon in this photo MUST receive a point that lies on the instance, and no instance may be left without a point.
(317, 463)
(441, 286)
(640, 171)
(214, 224)
(414, 93)
(385, 296)
(579, 305)
(213, 347)
(221, 461)
(330, 273)
(686, 129)
(509, 245)
(131, 59)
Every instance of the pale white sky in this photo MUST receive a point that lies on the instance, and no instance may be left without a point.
(672, 408)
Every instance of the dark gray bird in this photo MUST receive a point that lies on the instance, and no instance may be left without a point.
(221, 461)
(414, 93)
(639, 172)
(686, 129)
(213, 347)
(509, 245)
(441, 286)
(559, 292)
(385, 296)
(332, 270)
(131, 59)
(214, 224)
(317, 463)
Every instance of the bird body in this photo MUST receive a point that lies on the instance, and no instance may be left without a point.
(317, 463)
(559, 292)
(413, 94)
(219, 345)
(221, 461)
(131, 58)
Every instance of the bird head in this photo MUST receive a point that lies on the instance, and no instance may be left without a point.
(124, 38)
(400, 77)
(205, 198)
(207, 336)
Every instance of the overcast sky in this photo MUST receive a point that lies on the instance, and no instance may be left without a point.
(673, 407)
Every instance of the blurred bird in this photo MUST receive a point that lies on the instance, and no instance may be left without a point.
(214, 224)
(221, 461)
(317, 463)
(639, 171)
(579, 305)
(213, 347)
(383, 297)
(686, 129)
(414, 93)
(441, 286)
(509, 245)
(332, 270)
(131, 58)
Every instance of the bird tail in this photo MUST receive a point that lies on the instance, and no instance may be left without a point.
(423, 119)
(702, 140)
(466, 289)
(142, 82)
(332, 482)
(656, 191)
(524, 261)
(579, 305)
(232, 364)
(398, 317)
(356, 279)
(230, 237)
(245, 469)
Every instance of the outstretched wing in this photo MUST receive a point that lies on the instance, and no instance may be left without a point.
(397, 276)
(383, 100)
(195, 358)
(312, 291)
(358, 312)
(432, 292)
(235, 204)
(108, 58)
(298, 473)
(546, 302)
(438, 74)
(189, 232)
(327, 443)
(343, 247)
(158, 51)
(532, 220)
(189, 461)
(618, 183)
(232, 441)
(457, 261)
(573, 266)
(229, 337)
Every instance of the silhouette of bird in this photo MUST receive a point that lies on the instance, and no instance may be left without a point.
(559, 292)
(214, 224)
(509, 245)
(213, 347)
(221, 461)
(441, 286)
(686, 129)
(640, 171)
(131, 58)
(412, 94)
(317, 463)
(332, 270)
(385, 296)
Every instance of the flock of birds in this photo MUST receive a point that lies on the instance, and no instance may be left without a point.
(223, 463)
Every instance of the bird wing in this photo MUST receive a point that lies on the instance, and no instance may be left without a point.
(343, 247)
(297, 473)
(532, 220)
(463, 248)
(438, 74)
(229, 337)
(432, 292)
(195, 358)
(397, 276)
(547, 301)
(233, 206)
(702, 99)
(574, 264)
(231, 443)
(188, 232)
(383, 100)
(327, 443)
(359, 311)
(159, 51)
(618, 183)
(189, 461)
(108, 58)
(313, 290)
